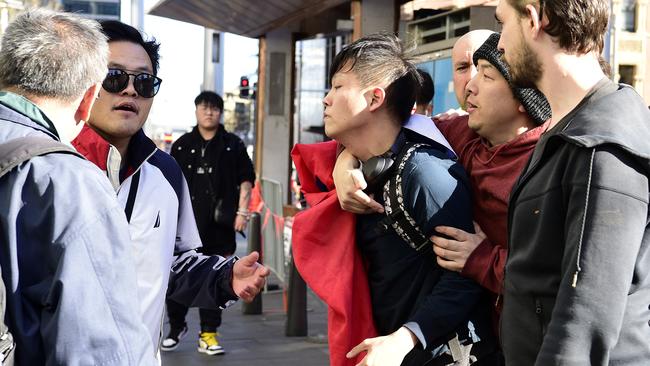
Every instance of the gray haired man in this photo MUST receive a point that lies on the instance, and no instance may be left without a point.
(64, 242)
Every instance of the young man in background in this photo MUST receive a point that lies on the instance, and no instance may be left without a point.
(220, 176)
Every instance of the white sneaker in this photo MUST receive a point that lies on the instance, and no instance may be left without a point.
(172, 340)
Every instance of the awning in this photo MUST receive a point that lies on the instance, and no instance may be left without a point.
(251, 18)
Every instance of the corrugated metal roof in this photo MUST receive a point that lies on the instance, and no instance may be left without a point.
(449, 4)
(250, 18)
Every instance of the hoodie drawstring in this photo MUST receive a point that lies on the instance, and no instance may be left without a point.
(584, 219)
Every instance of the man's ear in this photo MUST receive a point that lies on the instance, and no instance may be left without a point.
(86, 103)
(533, 21)
(377, 98)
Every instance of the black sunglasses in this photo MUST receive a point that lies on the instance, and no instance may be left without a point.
(146, 85)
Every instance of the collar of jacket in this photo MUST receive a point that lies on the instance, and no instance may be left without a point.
(91, 145)
(24, 106)
(615, 114)
(196, 135)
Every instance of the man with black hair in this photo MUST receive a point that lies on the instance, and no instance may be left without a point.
(424, 97)
(577, 285)
(220, 177)
(152, 189)
(421, 312)
(494, 145)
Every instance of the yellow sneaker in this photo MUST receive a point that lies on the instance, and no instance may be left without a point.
(209, 344)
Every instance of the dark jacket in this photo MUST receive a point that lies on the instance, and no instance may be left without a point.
(224, 161)
(577, 285)
(408, 287)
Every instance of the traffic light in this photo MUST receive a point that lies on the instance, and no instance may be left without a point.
(244, 87)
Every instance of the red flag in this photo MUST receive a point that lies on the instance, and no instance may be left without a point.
(326, 255)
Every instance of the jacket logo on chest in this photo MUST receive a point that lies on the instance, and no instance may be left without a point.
(157, 223)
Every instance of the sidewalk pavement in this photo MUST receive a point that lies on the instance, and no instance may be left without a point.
(257, 339)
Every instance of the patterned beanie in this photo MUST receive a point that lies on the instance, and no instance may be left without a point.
(532, 99)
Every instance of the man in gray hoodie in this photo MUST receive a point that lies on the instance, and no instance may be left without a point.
(65, 251)
(577, 284)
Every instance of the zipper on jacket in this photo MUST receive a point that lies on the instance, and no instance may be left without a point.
(204, 146)
(539, 311)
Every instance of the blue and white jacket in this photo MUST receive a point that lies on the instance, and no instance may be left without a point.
(162, 228)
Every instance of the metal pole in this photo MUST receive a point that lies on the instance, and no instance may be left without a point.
(254, 244)
(297, 309)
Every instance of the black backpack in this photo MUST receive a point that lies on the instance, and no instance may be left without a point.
(12, 154)
(397, 216)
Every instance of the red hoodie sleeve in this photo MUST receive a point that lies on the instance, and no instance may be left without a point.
(486, 266)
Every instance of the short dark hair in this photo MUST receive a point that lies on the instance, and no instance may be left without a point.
(117, 31)
(427, 91)
(210, 98)
(578, 25)
(380, 57)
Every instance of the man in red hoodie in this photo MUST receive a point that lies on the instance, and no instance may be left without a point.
(493, 144)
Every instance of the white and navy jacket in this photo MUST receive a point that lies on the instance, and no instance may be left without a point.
(154, 193)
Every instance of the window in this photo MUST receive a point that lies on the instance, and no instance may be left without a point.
(627, 19)
(77, 7)
(626, 73)
(108, 9)
(216, 45)
(93, 8)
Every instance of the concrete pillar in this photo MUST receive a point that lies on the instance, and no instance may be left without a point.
(276, 129)
(125, 11)
(137, 14)
(378, 16)
(213, 61)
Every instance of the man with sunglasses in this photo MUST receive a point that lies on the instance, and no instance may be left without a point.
(151, 187)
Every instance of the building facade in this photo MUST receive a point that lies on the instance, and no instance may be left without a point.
(96, 9)
(630, 36)
(10, 8)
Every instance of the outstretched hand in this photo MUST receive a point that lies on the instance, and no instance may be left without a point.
(248, 277)
(452, 254)
(388, 350)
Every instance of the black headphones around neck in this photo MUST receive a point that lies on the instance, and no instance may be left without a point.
(376, 170)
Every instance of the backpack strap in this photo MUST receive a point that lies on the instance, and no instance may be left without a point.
(17, 151)
(12, 154)
(397, 216)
